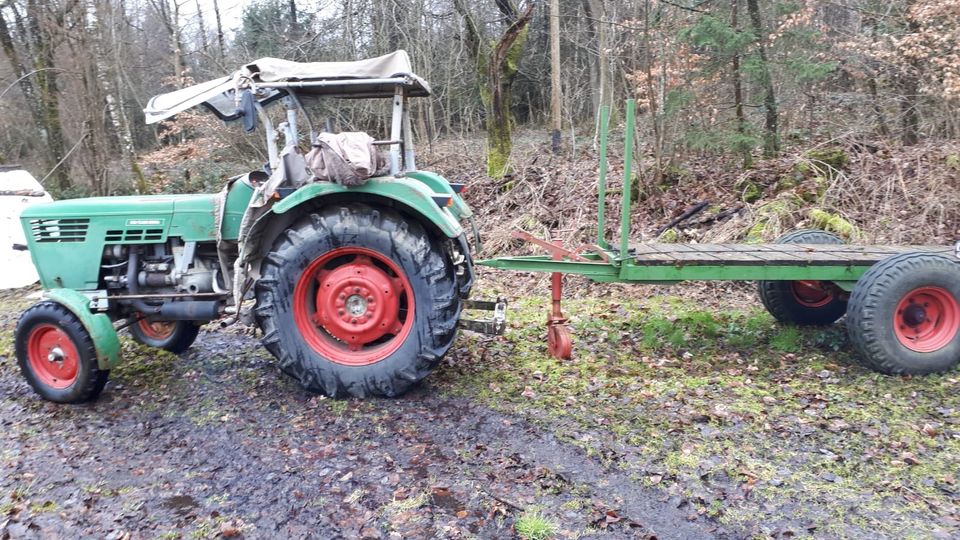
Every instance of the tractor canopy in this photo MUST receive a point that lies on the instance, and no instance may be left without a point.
(273, 78)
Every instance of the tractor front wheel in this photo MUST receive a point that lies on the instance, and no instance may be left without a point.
(57, 356)
(904, 314)
(357, 300)
(804, 302)
(173, 336)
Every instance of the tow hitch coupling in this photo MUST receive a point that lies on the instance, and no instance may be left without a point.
(495, 325)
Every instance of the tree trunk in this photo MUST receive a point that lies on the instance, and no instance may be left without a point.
(910, 118)
(202, 28)
(498, 67)
(745, 152)
(909, 80)
(216, 14)
(556, 96)
(653, 93)
(771, 139)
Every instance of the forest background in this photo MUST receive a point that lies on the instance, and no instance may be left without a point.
(780, 113)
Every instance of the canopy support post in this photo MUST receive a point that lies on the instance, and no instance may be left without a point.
(395, 131)
(409, 155)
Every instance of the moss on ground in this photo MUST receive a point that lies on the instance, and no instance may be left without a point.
(760, 426)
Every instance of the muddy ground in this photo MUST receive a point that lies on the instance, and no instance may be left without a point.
(673, 421)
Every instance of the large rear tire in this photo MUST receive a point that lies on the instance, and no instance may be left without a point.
(810, 303)
(356, 300)
(173, 336)
(904, 314)
(57, 356)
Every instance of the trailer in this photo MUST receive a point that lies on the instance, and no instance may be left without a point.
(902, 303)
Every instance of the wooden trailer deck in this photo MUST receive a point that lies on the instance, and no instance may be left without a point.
(771, 254)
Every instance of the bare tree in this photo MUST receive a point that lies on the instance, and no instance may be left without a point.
(37, 35)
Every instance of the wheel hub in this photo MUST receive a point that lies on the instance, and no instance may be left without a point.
(914, 315)
(812, 294)
(357, 303)
(56, 354)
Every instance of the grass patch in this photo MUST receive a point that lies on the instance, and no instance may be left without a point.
(533, 525)
(728, 405)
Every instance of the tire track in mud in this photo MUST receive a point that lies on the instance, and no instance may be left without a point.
(503, 435)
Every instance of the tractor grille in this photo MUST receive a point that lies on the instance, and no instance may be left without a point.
(134, 235)
(59, 230)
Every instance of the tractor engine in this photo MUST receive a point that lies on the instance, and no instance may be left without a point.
(174, 280)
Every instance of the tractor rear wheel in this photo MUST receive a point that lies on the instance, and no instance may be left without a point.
(173, 336)
(904, 314)
(356, 300)
(804, 302)
(57, 356)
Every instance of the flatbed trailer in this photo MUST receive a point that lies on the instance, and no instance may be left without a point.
(902, 302)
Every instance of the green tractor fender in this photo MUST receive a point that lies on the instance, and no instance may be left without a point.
(426, 195)
(98, 325)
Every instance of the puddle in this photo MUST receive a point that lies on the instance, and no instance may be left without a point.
(442, 498)
(180, 504)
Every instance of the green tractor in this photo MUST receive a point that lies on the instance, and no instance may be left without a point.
(353, 263)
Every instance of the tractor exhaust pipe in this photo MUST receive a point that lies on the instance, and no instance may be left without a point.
(186, 310)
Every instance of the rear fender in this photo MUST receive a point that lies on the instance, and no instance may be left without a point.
(98, 325)
(414, 196)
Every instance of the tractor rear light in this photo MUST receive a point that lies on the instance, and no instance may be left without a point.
(458, 188)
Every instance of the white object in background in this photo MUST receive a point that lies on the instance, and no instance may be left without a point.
(18, 270)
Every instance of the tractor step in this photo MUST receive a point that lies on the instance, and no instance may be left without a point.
(495, 325)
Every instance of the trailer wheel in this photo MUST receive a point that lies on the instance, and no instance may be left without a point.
(904, 314)
(173, 336)
(356, 300)
(804, 302)
(56, 355)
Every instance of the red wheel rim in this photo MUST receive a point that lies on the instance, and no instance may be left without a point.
(158, 330)
(927, 319)
(354, 306)
(812, 294)
(52, 355)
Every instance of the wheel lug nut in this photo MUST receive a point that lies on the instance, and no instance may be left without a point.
(339, 312)
(342, 296)
(369, 299)
(356, 289)
(353, 321)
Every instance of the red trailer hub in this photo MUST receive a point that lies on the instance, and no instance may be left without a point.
(927, 319)
(812, 294)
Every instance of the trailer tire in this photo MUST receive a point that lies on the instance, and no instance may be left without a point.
(808, 303)
(47, 330)
(358, 300)
(904, 314)
(172, 336)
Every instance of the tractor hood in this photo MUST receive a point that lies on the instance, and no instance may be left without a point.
(271, 77)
